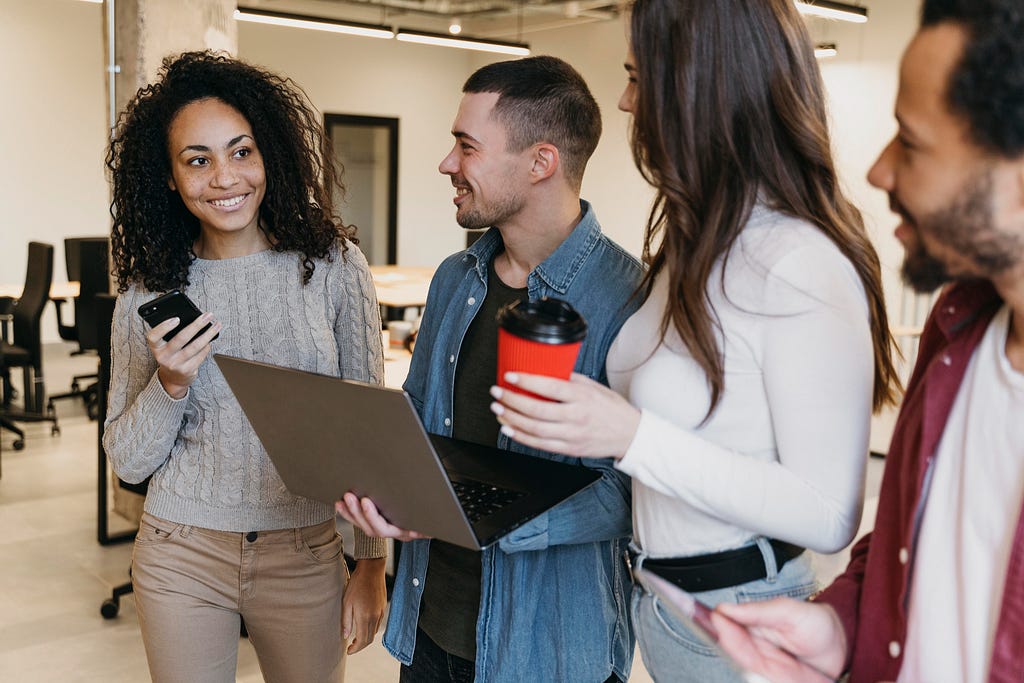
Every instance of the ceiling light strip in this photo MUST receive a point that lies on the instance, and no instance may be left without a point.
(501, 47)
(832, 10)
(351, 28)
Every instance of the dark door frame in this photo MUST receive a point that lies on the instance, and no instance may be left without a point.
(392, 125)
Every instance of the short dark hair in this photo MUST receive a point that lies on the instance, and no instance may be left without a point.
(987, 86)
(543, 99)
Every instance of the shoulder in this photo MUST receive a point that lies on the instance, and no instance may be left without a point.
(779, 256)
(345, 261)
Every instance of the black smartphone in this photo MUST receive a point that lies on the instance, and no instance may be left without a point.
(173, 304)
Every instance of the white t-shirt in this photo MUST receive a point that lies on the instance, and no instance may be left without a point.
(970, 518)
(784, 453)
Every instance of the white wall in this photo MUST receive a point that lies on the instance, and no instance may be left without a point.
(54, 127)
(53, 131)
(419, 85)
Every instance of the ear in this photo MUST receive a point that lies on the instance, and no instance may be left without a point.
(171, 184)
(546, 161)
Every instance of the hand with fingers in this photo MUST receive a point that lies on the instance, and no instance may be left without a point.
(784, 640)
(179, 359)
(363, 513)
(580, 417)
(362, 607)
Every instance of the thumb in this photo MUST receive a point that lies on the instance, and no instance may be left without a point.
(346, 620)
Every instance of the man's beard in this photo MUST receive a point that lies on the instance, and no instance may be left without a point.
(966, 226)
(496, 214)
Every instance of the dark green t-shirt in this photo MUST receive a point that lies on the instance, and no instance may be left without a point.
(451, 594)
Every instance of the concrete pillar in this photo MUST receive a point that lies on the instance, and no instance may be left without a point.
(146, 31)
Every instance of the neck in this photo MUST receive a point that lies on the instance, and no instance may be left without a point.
(1011, 289)
(533, 235)
(214, 245)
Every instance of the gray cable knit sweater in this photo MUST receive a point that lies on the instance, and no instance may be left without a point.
(209, 468)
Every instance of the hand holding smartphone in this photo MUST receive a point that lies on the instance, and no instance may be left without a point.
(173, 304)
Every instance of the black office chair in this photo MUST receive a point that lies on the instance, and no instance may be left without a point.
(88, 263)
(26, 351)
(103, 317)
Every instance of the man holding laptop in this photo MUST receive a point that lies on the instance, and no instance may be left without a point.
(548, 601)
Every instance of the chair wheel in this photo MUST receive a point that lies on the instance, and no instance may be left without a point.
(19, 444)
(109, 609)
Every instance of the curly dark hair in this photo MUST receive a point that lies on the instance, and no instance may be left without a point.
(153, 231)
(987, 86)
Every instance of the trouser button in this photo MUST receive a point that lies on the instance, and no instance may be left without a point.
(251, 536)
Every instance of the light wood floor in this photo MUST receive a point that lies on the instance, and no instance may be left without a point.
(54, 575)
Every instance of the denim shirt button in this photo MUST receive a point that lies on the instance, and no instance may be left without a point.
(447, 422)
(451, 359)
(471, 300)
(416, 582)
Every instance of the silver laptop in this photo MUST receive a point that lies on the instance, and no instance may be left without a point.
(327, 436)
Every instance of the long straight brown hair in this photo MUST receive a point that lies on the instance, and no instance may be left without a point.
(729, 107)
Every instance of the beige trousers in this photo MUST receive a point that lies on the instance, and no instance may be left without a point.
(193, 584)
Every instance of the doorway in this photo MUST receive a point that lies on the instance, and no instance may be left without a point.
(367, 148)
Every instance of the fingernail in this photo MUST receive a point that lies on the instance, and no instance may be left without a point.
(508, 431)
(497, 392)
(497, 408)
(512, 377)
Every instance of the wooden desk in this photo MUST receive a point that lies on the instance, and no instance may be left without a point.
(58, 290)
(401, 286)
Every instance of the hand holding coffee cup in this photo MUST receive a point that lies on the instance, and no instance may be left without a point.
(540, 337)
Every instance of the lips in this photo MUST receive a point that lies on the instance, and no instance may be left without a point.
(229, 202)
(461, 193)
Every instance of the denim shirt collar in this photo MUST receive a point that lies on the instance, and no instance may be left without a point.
(560, 268)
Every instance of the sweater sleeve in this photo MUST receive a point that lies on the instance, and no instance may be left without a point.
(142, 420)
(357, 329)
(817, 363)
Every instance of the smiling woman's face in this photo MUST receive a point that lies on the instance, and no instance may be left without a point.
(216, 167)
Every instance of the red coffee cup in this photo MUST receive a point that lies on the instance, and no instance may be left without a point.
(539, 337)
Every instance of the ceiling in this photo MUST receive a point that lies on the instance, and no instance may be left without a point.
(512, 20)
(508, 20)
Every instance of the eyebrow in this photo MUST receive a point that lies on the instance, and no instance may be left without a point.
(203, 148)
(459, 135)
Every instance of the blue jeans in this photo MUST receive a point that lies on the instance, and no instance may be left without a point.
(431, 664)
(672, 652)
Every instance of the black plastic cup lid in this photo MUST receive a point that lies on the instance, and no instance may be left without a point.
(547, 321)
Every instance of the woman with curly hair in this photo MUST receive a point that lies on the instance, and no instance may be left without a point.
(222, 188)
(744, 385)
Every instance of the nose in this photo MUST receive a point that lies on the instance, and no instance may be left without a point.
(450, 164)
(882, 173)
(627, 102)
(224, 176)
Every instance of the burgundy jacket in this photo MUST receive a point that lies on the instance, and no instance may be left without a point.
(872, 595)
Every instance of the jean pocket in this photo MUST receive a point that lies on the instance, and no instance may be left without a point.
(798, 591)
(321, 543)
(680, 632)
(153, 530)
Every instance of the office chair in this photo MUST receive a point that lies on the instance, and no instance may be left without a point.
(26, 351)
(88, 263)
(103, 311)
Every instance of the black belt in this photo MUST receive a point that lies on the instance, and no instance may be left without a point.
(719, 570)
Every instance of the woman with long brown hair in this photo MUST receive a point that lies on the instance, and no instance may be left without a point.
(744, 385)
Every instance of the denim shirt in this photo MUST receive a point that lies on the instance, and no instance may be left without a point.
(555, 592)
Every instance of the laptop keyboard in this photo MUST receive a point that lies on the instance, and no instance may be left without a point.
(479, 499)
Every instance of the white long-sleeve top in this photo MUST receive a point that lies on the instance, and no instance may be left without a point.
(784, 453)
